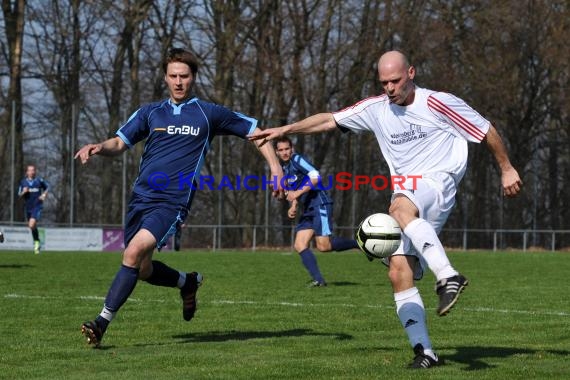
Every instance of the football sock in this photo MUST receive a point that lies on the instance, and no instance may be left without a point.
(412, 314)
(181, 279)
(120, 290)
(425, 240)
(310, 262)
(163, 275)
(35, 234)
(105, 318)
(342, 244)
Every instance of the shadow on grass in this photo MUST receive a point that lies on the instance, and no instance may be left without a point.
(103, 348)
(15, 266)
(343, 283)
(473, 357)
(223, 336)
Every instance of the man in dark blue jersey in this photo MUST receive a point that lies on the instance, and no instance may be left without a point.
(305, 188)
(34, 191)
(178, 133)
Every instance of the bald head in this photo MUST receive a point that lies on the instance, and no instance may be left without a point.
(393, 60)
(396, 76)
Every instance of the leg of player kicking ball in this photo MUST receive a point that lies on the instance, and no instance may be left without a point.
(425, 240)
(159, 274)
(308, 258)
(333, 243)
(411, 311)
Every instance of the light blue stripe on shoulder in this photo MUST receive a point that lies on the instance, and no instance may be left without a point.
(133, 115)
(300, 160)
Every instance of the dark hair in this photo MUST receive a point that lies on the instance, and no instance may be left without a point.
(282, 139)
(181, 55)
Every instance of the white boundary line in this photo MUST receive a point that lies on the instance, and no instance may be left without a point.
(296, 304)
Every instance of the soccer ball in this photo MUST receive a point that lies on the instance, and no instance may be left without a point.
(378, 236)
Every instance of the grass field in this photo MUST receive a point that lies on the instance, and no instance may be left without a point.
(257, 320)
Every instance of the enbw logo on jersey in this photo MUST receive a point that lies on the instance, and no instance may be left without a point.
(183, 130)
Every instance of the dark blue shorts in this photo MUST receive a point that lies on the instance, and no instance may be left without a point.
(160, 218)
(34, 212)
(318, 219)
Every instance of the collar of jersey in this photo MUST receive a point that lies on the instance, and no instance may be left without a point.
(178, 107)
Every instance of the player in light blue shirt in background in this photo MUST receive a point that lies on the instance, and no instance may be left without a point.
(305, 189)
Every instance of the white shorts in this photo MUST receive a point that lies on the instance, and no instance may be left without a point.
(434, 196)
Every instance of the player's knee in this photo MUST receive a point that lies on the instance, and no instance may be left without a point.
(133, 255)
(400, 275)
(300, 247)
(324, 246)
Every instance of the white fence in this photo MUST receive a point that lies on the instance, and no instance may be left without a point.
(253, 237)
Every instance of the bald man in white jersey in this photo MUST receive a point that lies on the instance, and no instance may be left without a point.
(421, 133)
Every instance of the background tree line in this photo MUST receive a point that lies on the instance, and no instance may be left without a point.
(87, 65)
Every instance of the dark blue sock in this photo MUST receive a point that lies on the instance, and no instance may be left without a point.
(342, 244)
(102, 322)
(163, 275)
(310, 262)
(121, 288)
(35, 234)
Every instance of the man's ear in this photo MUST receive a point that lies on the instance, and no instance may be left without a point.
(411, 72)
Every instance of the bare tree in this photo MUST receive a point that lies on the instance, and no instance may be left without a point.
(14, 21)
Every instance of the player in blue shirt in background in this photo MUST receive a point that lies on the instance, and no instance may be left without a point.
(305, 188)
(178, 133)
(34, 191)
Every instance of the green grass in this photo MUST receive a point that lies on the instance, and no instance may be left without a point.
(257, 320)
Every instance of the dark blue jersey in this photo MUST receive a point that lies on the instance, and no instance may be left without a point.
(296, 172)
(36, 187)
(178, 137)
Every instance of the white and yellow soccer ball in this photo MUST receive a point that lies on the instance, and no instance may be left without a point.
(378, 236)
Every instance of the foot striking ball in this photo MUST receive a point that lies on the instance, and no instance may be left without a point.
(378, 236)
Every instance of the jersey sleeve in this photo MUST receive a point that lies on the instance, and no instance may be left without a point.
(136, 128)
(21, 186)
(304, 166)
(356, 117)
(228, 122)
(44, 185)
(456, 113)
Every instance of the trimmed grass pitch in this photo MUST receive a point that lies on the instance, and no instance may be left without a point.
(257, 320)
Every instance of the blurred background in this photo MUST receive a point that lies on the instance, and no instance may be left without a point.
(71, 72)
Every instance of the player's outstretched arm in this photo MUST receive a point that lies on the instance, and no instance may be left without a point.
(112, 147)
(510, 179)
(275, 168)
(321, 122)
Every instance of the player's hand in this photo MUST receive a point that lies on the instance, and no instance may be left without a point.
(292, 195)
(25, 190)
(277, 178)
(87, 151)
(511, 182)
(292, 212)
(42, 197)
(267, 135)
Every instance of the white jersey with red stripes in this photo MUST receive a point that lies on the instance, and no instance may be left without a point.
(430, 135)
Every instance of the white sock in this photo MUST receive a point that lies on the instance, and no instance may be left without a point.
(107, 314)
(425, 241)
(181, 280)
(412, 314)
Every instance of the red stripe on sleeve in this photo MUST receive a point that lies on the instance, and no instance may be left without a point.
(459, 120)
